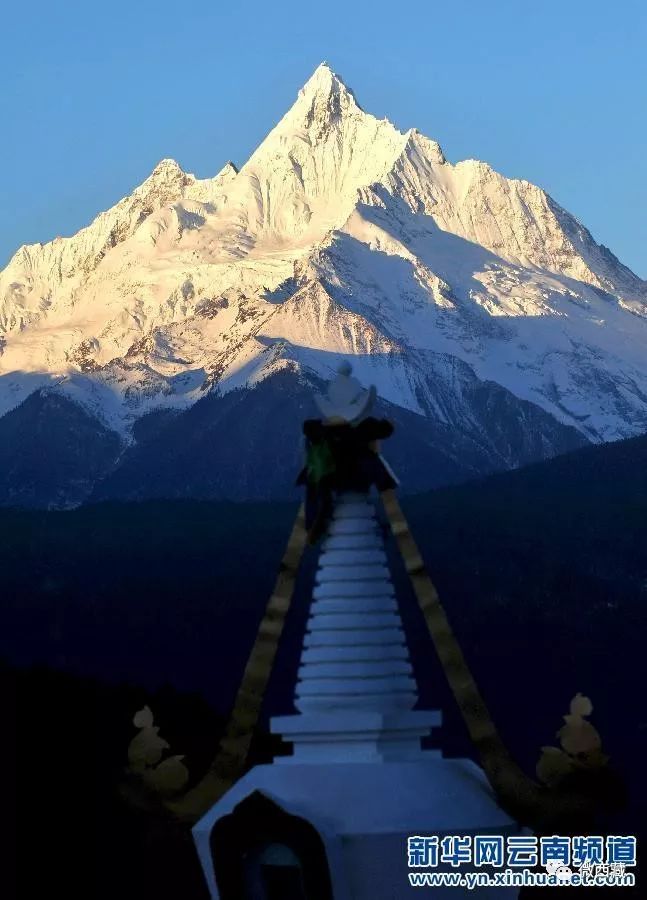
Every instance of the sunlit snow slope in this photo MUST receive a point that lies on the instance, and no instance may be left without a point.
(454, 289)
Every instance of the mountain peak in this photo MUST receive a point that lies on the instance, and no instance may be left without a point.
(166, 167)
(325, 95)
(228, 170)
(322, 79)
(325, 81)
(167, 179)
(166, 172)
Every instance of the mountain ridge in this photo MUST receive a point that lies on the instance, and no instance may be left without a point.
(339, 238)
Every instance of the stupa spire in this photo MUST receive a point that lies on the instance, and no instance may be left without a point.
(355, 691)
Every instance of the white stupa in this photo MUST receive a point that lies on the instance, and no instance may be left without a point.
(332, 820)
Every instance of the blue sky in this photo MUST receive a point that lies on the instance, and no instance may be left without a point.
(93, 95)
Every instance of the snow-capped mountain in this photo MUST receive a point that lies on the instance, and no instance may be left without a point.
(482, 311)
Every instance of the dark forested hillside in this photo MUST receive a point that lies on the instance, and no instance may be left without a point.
(543, 573)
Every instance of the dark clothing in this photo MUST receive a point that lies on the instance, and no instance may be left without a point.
(340, 458)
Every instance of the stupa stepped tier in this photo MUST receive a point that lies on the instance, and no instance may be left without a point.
(356, 689)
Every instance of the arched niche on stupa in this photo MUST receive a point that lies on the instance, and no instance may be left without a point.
(261, 852)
